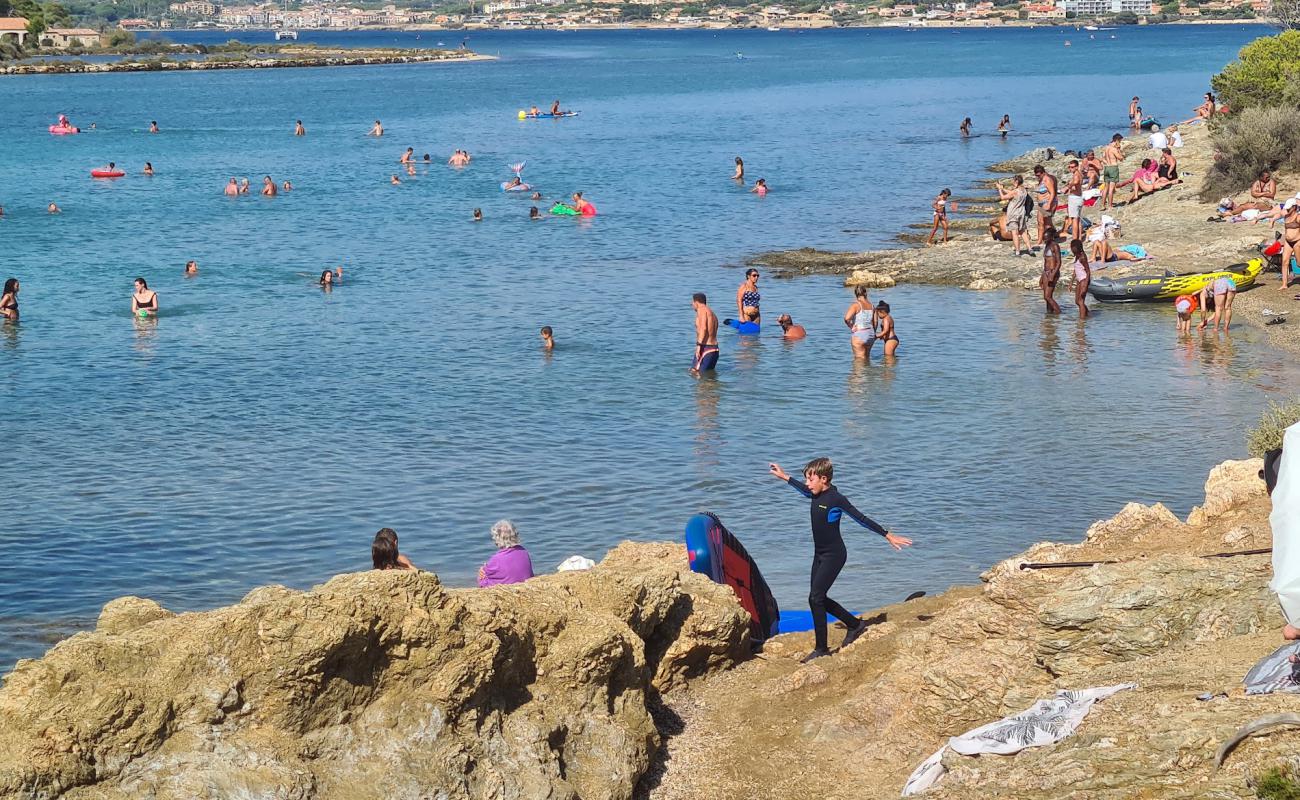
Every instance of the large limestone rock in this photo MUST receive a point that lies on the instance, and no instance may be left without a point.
(373, 685)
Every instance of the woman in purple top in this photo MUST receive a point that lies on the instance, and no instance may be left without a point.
(510, 563)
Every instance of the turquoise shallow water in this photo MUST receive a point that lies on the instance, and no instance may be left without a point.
(261, 431)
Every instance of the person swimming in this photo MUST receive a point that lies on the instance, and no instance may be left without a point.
(299, 130)
(329, 278)
(407, 156)
(268, 187)
(478, 215)
(395, 180)
(512, 183)
(760, 187)
(533, 213)
(243, 186)
(148, 168)
(191, 268)
(9, 300)
(376, 130)
(789, 329)
(53, 208)
(286, 187)
(965, 128)
(535, 196)
(144, 302)
(548, 338)
(153, 126)
(739, 174)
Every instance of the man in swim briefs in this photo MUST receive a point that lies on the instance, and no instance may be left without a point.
(1111, 157)
(706, 335)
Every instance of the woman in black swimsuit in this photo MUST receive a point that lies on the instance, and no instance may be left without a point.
(9, 300)
(145, 301)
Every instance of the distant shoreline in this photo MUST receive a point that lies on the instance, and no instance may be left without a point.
(329, 58)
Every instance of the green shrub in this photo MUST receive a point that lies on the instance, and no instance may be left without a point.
(1267, 434)
(1277, 784)
(1262, 72)
(1247, 142)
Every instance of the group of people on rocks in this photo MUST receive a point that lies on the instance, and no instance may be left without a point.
(509, 564)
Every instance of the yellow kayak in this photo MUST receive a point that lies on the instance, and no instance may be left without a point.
(1142, 288)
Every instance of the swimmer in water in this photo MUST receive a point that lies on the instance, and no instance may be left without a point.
(533, 213)
(243, 186)
(548, 338)
(9, 300)
(789, 329)
(887, 334)
(760, 187)
(427, 159)
(153, 126)
(739, 174)
(965, 128)
(330, 277)
(148, 168)
(191, 268)
(299, 130)
(286, 187)
(706, 335)
(396, 181)
(232, 188)
(53, 208)
(376, 130)
(535, 196)
(407, 156)
(1004, 125)
(513, 182)
(268, 187)
(478, 215)
(144, 302)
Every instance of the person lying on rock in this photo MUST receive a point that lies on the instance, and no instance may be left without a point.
(384, 554)
(510, 563)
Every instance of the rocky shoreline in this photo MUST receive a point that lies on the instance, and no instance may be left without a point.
(339, 58)
(1171, 224)
(633, 680)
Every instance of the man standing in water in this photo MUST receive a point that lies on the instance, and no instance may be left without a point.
(706, 335)
(1111, 157)
(829, 552)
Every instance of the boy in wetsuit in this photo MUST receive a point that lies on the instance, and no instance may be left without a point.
(829, 553)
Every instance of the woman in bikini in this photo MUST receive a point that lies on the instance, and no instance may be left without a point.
(940, 207)
(1004, 125)
(747, 298)
(861, 320)
(740, 170)
(9, 300)
(144, 302)
(1051, 269)
(887, 334)
(1290, 238)
(965, 128)
(1082, 276)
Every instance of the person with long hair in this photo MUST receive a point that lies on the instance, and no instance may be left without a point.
(145, 300)
(510, 563)
(861, 321)
(740, 170)
(1082, 276)
(384, 553)
(747, 298)
(9, 300)
(1051, 269)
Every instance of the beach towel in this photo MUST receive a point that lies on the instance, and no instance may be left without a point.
(1273, 672)
(1285, 521)
(1135, 249)
(1045, 722)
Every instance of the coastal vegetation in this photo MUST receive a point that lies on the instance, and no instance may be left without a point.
(1267, 433)
(1262, 90)
(1278, 783)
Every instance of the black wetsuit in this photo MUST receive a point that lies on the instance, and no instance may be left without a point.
(829, 553)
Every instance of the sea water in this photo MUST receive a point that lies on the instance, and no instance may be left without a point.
(261, 430)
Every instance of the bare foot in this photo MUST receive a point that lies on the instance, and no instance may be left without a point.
(1290, 633)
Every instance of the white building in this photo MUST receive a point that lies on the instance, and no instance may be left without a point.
(1091, 8)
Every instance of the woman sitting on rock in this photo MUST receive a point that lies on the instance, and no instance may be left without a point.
(384, 554)
(510, 563)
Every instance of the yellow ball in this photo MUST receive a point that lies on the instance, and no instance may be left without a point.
(523, 114)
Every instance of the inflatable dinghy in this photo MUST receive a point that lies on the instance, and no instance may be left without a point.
(1147, 288)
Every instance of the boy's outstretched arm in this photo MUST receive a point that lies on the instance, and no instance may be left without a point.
(776, 472)
(896, 542)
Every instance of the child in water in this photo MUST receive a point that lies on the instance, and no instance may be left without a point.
(760, 187)
(886, 334)
(548, 338)
(533, 213)
(1185, 305)
(478, 215)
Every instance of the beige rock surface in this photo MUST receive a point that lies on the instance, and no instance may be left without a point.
(373, 685)
(854, 726)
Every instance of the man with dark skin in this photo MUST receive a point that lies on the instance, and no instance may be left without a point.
(706, 335)
(1046, 199)
(1111, 157)
(1051, 270)
(1074, 201)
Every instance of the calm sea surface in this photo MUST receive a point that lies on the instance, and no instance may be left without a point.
(261, 431)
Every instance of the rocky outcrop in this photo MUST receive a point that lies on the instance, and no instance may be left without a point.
(853, 726)
(373, 685)
(869, 279)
